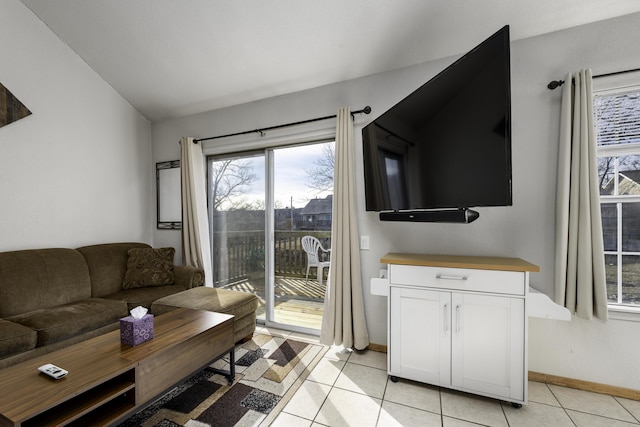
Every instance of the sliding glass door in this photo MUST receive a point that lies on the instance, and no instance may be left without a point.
(261, 205)
(236, 203)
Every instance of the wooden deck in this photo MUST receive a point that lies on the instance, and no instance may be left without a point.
(297, 302)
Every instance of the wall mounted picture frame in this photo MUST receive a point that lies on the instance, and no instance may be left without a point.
(11, 109)
(168, 195)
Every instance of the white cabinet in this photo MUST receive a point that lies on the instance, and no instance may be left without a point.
(460, 327)
(420, 353)
(488, 344)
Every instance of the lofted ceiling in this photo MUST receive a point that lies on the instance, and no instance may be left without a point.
(172, 58)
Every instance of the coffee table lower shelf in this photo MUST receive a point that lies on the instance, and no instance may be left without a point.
(100, 405)
(109, 381)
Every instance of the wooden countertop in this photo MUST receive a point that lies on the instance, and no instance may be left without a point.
(455, 261)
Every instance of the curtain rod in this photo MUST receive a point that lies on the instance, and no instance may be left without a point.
(365, 110)
(557, 83)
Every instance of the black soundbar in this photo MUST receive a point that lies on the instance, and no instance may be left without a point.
(460, 216)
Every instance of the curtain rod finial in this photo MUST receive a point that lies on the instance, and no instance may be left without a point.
(554, 84)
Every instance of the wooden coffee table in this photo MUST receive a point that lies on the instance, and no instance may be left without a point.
(107, 380)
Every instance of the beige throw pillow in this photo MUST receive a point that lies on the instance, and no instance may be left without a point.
(149, 267)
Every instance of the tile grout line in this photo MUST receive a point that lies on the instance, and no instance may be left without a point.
(628, 411)
(384, 393)
(330, 390)
(561, 405)
(349, 360)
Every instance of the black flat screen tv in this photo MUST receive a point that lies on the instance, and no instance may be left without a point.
(447, 145)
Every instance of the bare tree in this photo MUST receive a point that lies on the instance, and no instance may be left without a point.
(320, 177)
(605, 170)
(229, 179)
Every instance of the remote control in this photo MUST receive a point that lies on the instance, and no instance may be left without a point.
(53, 371)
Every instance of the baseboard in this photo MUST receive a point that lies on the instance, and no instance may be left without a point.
(611, 390)
(377, 347)
(627, 393)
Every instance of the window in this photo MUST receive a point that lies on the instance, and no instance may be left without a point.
(617, 117)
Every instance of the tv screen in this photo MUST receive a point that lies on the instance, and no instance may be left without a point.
(447, 144)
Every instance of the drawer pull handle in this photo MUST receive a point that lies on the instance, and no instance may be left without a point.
(449, 277)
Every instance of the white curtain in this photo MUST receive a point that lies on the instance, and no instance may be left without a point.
(580, 273)
(195, 225)
(343, 321)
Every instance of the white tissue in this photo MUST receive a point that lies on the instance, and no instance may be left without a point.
(139, 312)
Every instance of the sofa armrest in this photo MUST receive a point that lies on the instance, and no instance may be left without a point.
(188, 276)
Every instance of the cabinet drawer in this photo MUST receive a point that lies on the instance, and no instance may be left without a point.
(494, 281)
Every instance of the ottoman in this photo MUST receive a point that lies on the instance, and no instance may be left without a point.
(242, 305)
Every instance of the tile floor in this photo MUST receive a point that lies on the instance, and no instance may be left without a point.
(351, 388)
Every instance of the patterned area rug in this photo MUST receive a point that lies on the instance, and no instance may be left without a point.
(269, 369)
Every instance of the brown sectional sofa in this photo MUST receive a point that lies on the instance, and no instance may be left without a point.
(52, 298)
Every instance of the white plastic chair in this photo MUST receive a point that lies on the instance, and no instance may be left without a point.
(311, 246)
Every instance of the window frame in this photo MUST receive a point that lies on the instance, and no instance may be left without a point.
(611, 85)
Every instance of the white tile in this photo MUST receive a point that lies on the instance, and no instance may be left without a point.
(374, 359)
(308, 400)
(632, 406)
(287, 420)
(414, 394)
(589, 420)
(362, 379)
(395, 415)
(338, 353)
(540, 393)
(327, 371)
(536, 415)
(454, 422)
(472, 408)
(344, 408)
(591, 403)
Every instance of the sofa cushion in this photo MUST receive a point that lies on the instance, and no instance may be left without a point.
(149, 267)
(188, 276)
(15, 338)
(145, 296)
(107, 266)
(58, 323)
(41, 278)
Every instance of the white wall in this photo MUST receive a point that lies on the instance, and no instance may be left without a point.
(591, 351)
(78, 170)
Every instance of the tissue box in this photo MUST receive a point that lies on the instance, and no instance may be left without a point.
(136, 331)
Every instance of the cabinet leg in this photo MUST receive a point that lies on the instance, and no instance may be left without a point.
(393, 379)
(516, 405)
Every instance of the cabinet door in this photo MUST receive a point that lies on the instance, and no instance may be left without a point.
(488, 345)
(420, 335)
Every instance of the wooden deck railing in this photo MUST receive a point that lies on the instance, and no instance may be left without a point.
(238, 255)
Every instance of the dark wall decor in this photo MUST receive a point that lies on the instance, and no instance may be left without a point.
(11, 109)
(168, 195)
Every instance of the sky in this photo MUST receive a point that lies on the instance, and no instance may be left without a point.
(290, 164)
(290, 176)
